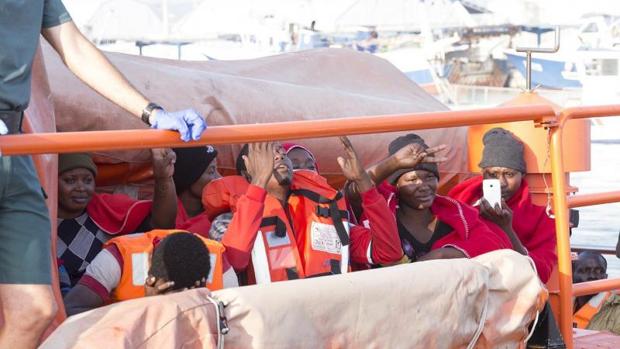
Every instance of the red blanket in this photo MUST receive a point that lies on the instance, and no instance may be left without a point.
(470, 234)
(199, 224)
(118, 214)
(533, 227)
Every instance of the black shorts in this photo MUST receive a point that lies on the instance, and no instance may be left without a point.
(25, 230)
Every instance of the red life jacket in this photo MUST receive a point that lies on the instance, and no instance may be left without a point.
(314, 241)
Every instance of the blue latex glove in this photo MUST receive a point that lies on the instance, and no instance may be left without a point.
(189, 123)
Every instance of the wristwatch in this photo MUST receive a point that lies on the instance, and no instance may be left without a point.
(148, 110)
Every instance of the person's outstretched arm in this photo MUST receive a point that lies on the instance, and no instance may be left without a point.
(164, 211)
(93, 68)
(380, 243)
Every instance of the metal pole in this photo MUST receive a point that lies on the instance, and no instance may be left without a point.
(528, 69)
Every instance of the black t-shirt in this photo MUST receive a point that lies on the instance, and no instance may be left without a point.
(415, 249)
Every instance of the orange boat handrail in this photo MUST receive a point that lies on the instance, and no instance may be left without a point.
(560, 204)
(593, 287)
(593, 199)
(67, 142)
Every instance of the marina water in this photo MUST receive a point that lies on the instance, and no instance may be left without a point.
(599, 225)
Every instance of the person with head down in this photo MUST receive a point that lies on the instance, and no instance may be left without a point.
(528, 226)
(292, 224)
(147, 264)
(430, 226)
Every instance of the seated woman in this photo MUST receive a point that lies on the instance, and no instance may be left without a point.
(430, 226)
(194, 168)
(86, 220)
(529, 228)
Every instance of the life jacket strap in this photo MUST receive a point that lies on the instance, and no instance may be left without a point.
(334, 211)
(323, 211)
(280, 229)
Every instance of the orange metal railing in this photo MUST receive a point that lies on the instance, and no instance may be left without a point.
(593, 287)
(593, 199)
(560, 204)
(136, 139)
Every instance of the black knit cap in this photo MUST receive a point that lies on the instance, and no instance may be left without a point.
(190, 165)
(401, 142)
(502, 149)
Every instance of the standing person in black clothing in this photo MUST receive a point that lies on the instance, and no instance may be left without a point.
(26, 297)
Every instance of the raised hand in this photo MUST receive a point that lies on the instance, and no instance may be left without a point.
(351, 167)
(259, 162)
(163, 162)
(189, 122)
(412, 154)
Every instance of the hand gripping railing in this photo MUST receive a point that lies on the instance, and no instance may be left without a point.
(560, 204)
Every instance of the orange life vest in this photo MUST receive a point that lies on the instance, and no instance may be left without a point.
(313, 242)
(135, 249)
(582, 318)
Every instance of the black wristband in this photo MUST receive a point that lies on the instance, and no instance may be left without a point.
(148, 110)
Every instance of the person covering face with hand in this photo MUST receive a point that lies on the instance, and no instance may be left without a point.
(430, 226)
(300, 218)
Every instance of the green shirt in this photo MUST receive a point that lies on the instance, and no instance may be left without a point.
(21, 22)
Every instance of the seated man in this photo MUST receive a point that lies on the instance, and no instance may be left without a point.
(86, 220)
(430, 226)
(194, 168)
(179, 260)
(220, 195)
(291, 225)
(589, 266)
(530, 230)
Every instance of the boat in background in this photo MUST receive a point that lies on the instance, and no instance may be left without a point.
(595, 60)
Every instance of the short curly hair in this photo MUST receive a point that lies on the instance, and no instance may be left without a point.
(181, 257)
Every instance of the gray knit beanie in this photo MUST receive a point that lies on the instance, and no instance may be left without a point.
(502, 149)
(399, 143)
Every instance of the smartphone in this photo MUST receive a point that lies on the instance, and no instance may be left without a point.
(492, 191)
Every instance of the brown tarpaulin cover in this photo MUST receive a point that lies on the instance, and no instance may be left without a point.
(324, 83)
(485, 302)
